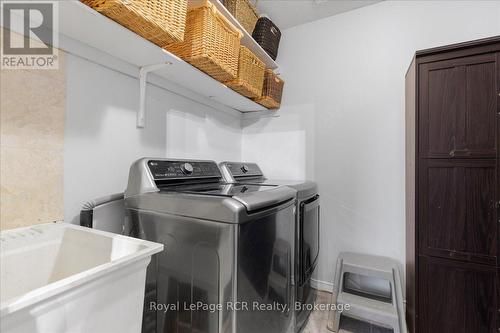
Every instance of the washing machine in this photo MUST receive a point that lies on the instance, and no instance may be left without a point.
(229, 249)
(306, 230)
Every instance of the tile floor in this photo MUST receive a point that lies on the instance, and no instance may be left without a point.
(319, 319)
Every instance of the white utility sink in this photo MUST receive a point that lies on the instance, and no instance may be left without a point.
(59, 277)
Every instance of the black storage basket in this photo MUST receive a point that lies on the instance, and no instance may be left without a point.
(267, 35)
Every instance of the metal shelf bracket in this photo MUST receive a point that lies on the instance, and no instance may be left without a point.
(260, 114)
(143, 76)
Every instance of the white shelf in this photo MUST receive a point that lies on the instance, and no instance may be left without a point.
(85, 25)
(247, 39)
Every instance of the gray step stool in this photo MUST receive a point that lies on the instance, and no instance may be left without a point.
(387, 313)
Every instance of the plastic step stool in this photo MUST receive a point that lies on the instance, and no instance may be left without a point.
(382, 313)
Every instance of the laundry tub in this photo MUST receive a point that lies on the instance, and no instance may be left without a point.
(59, 277)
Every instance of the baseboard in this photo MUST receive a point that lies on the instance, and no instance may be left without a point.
(322, 285)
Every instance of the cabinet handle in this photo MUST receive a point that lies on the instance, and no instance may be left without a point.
(460, 152)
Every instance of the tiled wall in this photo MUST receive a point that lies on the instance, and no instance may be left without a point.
(32, 112)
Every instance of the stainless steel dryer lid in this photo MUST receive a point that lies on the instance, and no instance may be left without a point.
(251, 173)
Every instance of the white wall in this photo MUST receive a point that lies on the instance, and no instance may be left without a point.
(282, 145)
(203, 134)
(344, 108)
(101, 138)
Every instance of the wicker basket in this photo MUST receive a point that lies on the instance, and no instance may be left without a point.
(271, 91)
(267, 35)
(250, 77)
(244, 11)
(211, 43)
(160, 21)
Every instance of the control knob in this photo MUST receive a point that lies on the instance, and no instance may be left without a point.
(244, 169)
(187, 168)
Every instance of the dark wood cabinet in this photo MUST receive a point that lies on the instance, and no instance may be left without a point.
(453, 188)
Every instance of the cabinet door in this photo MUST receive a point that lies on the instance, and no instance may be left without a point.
(456, 297)
(458, 209)
(458, 107)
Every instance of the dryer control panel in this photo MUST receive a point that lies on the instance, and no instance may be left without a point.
(165, 170)
(241, 169)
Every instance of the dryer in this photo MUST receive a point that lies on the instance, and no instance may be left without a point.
(229, 246)
(306, 229)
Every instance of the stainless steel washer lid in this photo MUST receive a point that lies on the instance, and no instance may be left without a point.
(163, 186)
(252, 196)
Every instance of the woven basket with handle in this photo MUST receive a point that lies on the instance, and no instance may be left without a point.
(243, 11)
(268, 36)
(211, 43)
(272, 91)
(160, 21)
(250, 75)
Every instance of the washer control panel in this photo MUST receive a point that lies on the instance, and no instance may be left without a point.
(162, 170)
